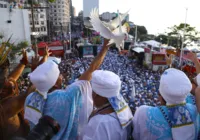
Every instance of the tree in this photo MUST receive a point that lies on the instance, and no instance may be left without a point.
(177, 32)
(141, 32)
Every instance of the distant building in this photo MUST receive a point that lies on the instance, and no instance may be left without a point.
(40, 20)
(60, 15)
(107, 16)
(74, 11)
(15, 23)
(88, 5)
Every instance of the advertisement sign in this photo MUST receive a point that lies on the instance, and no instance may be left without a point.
(87, 50)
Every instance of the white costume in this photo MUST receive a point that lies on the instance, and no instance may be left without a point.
(177, 120)
(70, 107)
(110, 126)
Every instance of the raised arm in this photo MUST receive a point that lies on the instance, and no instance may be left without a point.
(14, 105)
(192, 56)
(87, 75)
(36, 60)
(16, 73)
(46, 55)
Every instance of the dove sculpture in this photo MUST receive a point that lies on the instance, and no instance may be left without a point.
(113, 24)
(117, 36)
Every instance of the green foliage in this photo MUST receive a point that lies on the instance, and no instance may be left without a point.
(16, 49)
(141, 32)
(52, 1)
(176, 34)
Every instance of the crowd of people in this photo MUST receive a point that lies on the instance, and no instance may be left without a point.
(108, 97)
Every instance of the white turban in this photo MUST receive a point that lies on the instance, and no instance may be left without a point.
(44, 77)
(174, 86)
(105, 83)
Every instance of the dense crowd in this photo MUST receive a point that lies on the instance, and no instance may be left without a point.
(139, 85)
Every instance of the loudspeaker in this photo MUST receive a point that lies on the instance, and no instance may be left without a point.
(9, 21)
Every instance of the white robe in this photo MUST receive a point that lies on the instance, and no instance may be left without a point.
(149, 124)
(104, 127)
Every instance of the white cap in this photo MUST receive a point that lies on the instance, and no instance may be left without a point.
(44, 77)
(174, 86)
(105, 83)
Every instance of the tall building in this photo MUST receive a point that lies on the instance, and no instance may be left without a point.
(74, 11)
(60, 15)
(107, 16)
(88, 5)
(40, 20)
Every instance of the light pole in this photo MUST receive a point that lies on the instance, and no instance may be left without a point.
(70, 37)
(183, 38)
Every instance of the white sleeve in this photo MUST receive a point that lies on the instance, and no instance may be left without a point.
(95, 130)
(138, 122)
(86, 91)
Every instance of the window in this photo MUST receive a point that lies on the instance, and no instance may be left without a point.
(30, 23)
(5, 5)
(55, 6)
(37, 22)
(41, 10)
(1, 5)
(42, 22)
(42, 29)
(41, 16)
(54, 10)
(45, 29)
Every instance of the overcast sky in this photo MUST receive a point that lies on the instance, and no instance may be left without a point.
(155, 15)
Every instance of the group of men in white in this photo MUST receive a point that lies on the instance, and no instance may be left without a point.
(92, 108)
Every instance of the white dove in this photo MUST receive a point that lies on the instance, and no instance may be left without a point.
(113, 24)
(117, 36)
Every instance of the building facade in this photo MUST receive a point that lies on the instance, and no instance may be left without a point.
(88, 5)
(40, 22)
(107, 16)
(15, 23)
(59, 15)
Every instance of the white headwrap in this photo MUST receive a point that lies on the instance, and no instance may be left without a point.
(174, 86)
(44, 77)
(107, 84)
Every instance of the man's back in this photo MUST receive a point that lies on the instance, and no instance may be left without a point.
(150, 124)
(104, 127)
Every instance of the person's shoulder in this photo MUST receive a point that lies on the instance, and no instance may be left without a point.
(142, 110)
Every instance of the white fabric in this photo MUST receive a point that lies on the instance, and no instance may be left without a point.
(85, 112)
(148, 128)
(32, 115)
(44, 77)
(198, 79)
(105, 83)
(174, 86)
(104, 127)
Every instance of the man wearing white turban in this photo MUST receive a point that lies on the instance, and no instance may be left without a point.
(70, 107)
(175, 119)
(112, 116)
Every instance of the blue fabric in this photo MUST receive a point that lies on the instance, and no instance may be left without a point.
(64, 107)
(158, 126)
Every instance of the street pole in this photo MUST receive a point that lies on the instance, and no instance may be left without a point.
(183, 38)
(70, 32)
(135, 34)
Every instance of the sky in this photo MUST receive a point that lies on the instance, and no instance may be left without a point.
(155, 15)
